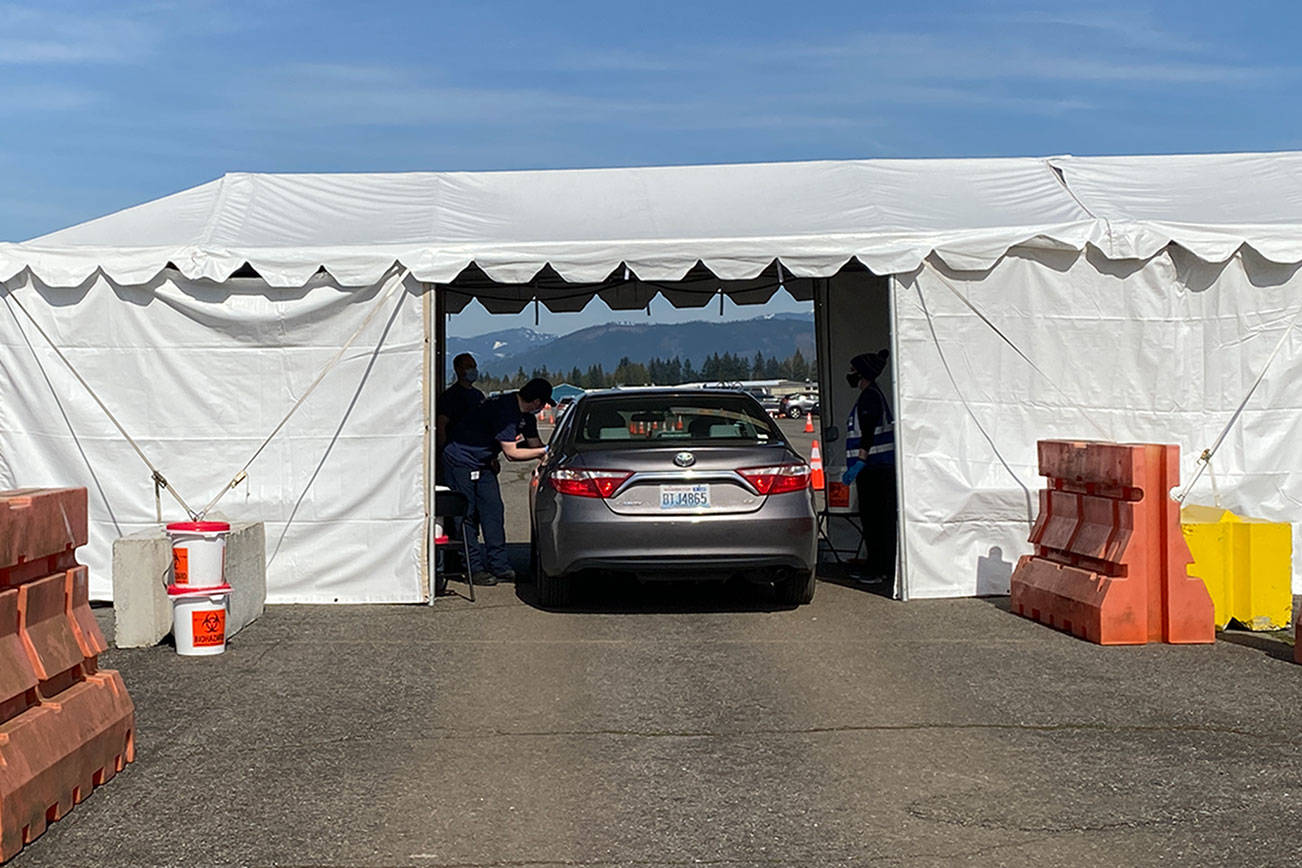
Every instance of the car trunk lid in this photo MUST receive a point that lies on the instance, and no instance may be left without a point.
(668, 481)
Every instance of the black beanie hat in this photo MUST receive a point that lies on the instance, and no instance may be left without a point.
(870, 365)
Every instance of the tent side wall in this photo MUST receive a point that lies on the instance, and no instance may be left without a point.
(1157, 351)
(200, 373)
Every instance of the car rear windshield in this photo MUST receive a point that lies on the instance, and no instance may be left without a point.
(674, 418)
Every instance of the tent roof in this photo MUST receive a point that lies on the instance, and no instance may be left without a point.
(1212, 204)
(660, 222)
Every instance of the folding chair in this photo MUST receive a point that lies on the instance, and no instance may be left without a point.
(450, 504)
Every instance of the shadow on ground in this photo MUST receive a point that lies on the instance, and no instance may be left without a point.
(847, 575)
(616, 593)
(1274, 644)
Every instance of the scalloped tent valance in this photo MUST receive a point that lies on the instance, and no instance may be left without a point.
(617, 232)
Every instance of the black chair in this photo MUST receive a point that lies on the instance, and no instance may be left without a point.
(452, 505)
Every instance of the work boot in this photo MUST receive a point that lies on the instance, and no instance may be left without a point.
(507, 576)
(483, 577)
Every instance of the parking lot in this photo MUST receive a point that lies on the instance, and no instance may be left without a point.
(676, 724)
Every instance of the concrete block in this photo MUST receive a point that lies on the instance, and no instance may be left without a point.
(142, 564)
(246, 572)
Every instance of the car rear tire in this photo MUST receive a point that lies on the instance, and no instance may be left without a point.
(797, 589)
(552, 590)
(533, 556)
(793, 412)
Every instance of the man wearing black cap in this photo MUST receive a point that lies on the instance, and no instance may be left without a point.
(503, 424)
(870, 463)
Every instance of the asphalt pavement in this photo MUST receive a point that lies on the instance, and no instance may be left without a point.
(681, 724)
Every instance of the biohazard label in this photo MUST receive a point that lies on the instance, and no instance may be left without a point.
(209, 628)
(181, 566)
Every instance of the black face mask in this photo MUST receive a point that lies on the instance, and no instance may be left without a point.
(854, 378)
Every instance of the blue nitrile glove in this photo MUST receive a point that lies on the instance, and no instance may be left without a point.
(852, 470)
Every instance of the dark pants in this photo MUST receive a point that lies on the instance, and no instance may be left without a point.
(487, 515)
(878, 512)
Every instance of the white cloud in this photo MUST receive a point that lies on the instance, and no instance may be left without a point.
(101, 33)
(39, 98)
(1130, 26)
(1009, 56)
(1090, 47)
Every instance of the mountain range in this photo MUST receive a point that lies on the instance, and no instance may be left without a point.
(501, 353)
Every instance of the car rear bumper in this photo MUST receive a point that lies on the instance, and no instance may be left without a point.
(583, 533)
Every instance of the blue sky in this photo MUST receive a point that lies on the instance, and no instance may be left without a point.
(107, 105)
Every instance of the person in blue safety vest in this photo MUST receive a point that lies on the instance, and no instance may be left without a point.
(502, 425)
(870, 464)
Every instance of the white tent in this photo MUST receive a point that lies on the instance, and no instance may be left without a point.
(1128, 298)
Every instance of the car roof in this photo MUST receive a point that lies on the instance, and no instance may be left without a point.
(662, 391)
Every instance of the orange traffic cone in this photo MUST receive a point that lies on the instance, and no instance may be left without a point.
(816, 467)
(809, 423)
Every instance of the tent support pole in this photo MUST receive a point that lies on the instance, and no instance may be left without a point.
(428, 312)
(439, 357)
(901, 551)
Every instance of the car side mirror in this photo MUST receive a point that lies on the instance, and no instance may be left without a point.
(831, 433)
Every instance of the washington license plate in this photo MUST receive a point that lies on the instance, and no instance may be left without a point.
(684, 497)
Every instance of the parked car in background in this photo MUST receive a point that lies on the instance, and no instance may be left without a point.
(672, 483)
(766, 398)
(797, 404)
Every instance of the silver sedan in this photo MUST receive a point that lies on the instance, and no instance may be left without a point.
(675, 484)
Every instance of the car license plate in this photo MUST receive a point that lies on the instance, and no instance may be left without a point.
(684, 497)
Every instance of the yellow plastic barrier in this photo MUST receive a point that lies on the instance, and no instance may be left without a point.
(1246, 563)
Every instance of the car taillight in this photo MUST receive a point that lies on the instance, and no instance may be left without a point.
(778, 479)
(588, 483)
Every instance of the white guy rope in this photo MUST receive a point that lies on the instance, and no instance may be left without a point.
(976, 420)
(970, 306)
(157, 476)
(243, 471)
(1205, 459)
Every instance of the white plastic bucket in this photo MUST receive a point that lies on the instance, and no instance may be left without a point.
(199, 619)
(198, 553)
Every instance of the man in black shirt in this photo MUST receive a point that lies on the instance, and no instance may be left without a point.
(504, 425)
(452, 405)
(456, 400)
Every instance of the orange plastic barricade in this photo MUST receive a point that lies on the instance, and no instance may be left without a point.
(1110, 559)
(66, 726)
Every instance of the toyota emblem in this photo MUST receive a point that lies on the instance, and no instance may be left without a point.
(684, 459)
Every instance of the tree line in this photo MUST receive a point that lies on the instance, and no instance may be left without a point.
(717, 367)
